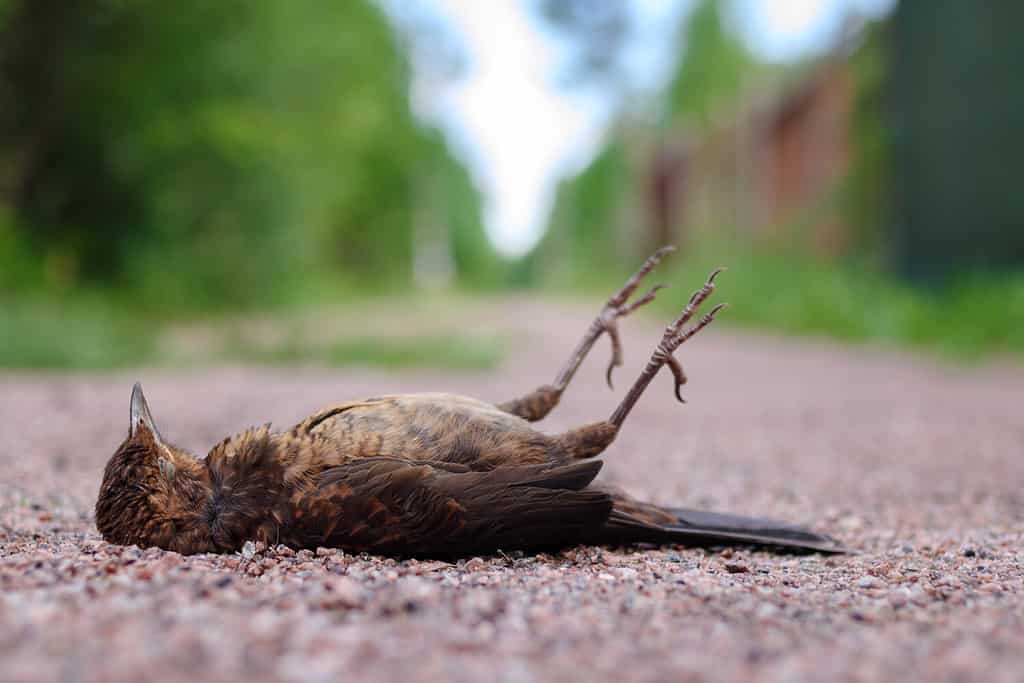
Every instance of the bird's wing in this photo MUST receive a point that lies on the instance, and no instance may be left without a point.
(397, 506)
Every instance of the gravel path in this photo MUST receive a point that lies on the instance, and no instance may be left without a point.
(917, 464)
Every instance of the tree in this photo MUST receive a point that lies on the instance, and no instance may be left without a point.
(210, 153)
(714, 69)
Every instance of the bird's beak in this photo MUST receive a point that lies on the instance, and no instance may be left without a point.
(140, 416)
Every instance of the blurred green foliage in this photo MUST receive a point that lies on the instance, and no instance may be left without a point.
(866, 195)
(793, 291)
(86, 331)
(714, 73)
(161, 160)
(584, 239)
(201, 155)
(447, 352)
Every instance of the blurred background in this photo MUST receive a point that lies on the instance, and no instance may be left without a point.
(221, 179)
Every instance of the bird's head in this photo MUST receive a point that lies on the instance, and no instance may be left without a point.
(153, 493)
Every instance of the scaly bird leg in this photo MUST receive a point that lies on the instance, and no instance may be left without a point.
(538, 403)
(673, 338)
(590, 440)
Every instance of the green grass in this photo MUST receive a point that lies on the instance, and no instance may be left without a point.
(72, 333)
(447, 352)
(784, 291)
(772, 290)
(90, 332)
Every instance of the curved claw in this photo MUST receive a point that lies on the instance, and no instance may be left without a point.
(678, 375)
(645, 299)
(714, 274)
(620, 297)
(711, 314)
(616, 361)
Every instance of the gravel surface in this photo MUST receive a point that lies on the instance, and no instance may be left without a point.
(915, 463)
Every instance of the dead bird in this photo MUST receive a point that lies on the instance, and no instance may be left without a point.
(418, 474)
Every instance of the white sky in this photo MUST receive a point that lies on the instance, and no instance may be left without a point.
(781, 30)
(520, 134)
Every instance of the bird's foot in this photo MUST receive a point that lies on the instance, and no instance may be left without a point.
(675, 335)
(618, 306)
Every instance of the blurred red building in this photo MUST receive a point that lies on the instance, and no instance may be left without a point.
(772, 167)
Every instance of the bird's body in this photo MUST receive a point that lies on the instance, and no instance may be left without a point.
(440, 427)
(415, 473)
(409, 474)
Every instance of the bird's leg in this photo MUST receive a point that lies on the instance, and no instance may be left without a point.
(590, 440)
(673, 338)
(538, 403)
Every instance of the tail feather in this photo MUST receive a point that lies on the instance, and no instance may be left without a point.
(632, 521)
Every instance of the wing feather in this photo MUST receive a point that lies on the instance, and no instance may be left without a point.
(396, 506)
